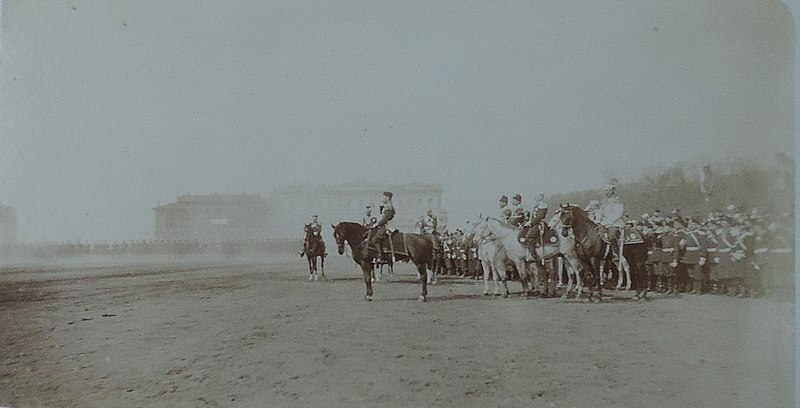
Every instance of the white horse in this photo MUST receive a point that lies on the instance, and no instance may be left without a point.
(566, 248)
(507, 237)
(493, 258)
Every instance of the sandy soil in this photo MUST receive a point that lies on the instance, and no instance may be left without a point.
(216, 334)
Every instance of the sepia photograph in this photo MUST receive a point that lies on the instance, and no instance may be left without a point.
(353, 203)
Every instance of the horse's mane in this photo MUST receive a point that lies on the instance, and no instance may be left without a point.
(578, 211)
(502, 223)
(352, 226)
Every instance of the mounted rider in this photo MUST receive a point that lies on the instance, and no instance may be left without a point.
(316, 229)
(609, 215)
(369, 220)
(505, 210)
(533, 229)
(518, 212)
(380, 232)
(428, 227)
(538, 214)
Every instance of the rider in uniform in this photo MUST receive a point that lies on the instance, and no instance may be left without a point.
(518, 213)
(381, 230)
(505, 210)
(369, 220)
(609, 215)
(316, 229)
(429, 224)
(535, 220)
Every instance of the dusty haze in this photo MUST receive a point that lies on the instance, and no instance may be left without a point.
(109, 108)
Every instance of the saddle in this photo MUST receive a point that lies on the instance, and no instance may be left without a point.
(390, 246)
(631, 235)
(550, 237)
(546, 236)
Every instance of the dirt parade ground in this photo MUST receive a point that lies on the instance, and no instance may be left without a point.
(258, 334)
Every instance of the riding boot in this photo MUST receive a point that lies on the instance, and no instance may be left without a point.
(379, 250)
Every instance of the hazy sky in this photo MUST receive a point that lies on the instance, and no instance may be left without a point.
(109, 107)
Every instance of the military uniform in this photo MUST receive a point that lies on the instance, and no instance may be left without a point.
(652, 261)
(379, 234)
(729, 270)
(533, 228)
(669, 241)
(688, 254)
(448, 247)
(473, 260)
(369, 220)
(461, 255)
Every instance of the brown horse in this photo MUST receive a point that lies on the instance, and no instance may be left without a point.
(591, 248)
(315, 249)
(412, 247)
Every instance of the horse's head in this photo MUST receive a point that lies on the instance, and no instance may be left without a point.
(480, 230)
(338, 235)
(567, 217)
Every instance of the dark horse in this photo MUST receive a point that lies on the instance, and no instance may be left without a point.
(591, 249)
(315, 247)
(414, 247)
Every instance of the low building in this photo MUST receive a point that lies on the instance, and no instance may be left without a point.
(212, 218)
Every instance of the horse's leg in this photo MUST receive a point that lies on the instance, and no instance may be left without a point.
(500, 275)
(310, 267)
(627, 267)
(422, 269)
(569, 283)
(560, 264)
(486, 270)
(599, 287)
(366, 268)
(530, 277)
(576, 266)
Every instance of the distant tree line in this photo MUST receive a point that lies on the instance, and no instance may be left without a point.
(747, 183)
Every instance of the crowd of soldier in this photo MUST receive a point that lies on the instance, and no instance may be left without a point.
(725, 253)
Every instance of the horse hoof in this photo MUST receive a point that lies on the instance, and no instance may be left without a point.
(368, 298)
(421, 299)
(310, 278)
(505, 295)
(487, 293)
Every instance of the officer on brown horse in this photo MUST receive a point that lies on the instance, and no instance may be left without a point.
(380, 233)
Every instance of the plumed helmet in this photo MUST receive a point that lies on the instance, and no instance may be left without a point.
(518, 197)
(388, 194)
(504, 199)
